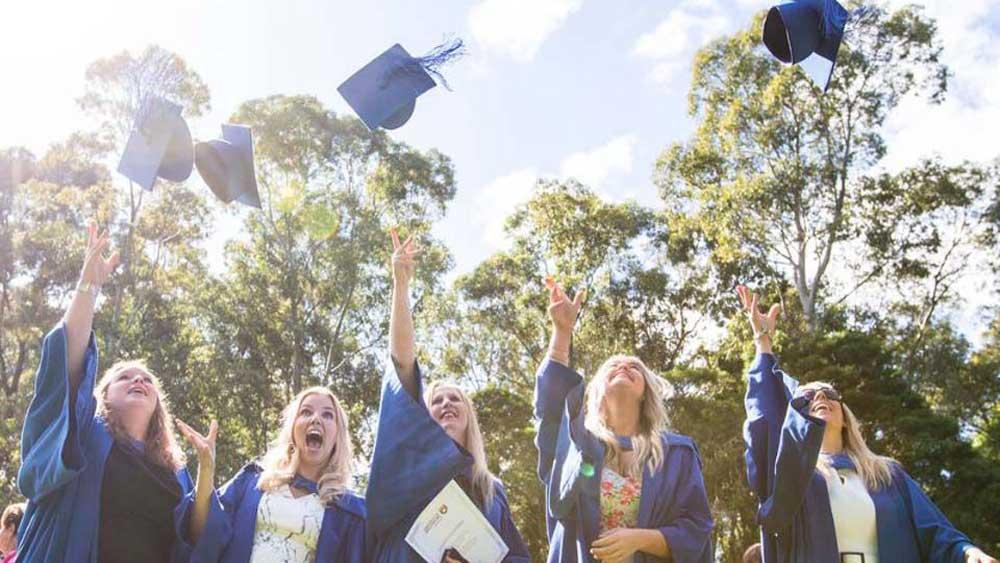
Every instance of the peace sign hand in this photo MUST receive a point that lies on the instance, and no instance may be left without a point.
(403, 258)
(204, 446)
(96, 269)
(762, 325)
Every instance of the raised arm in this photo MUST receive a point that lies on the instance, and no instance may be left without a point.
(205, 447)
(79, 318)
(402, 344)
(563, 313)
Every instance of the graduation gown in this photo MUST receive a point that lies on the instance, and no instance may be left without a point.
(782, 445)
(63, 455)
(232, 522)
(413, 460)
(570, 463)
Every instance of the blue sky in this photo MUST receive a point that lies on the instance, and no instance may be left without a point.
(586, 88)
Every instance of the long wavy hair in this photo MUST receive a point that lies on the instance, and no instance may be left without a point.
(281, 461)
(875, 470)
(653, 419)
(161, 445)
(482, 478)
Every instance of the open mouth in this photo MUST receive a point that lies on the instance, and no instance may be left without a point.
(821, 409)
(449, 415)
(138, 391)
(314, 439)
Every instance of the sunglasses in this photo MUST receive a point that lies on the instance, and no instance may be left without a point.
(828, 392)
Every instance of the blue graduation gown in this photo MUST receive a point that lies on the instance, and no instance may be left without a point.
(570, 462)
(413, 460)
(794, 505)
(232, 522)
(63, 455)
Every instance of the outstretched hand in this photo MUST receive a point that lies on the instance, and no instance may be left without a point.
(760, 323)
(204, 446)
(403, 258)
(562, 310)
(96, 268)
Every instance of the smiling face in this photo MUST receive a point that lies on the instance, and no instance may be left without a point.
(450, 409)
(132, 394)
(623, 378)
(314, 432)
(824, 407)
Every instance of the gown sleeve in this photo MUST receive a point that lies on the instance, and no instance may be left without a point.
(413, 458)
(57, 424)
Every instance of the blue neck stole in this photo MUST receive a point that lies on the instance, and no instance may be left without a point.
(301, 483)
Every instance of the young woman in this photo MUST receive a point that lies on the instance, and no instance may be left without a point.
(9, 522)
(824, 496)
(619, 486)
(424, 443)
(101, 469)
(292, 507)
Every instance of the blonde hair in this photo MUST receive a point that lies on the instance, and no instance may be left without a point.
(161, 446)
(482, 478)
(875, 470)
(281, 461)
(653, 420)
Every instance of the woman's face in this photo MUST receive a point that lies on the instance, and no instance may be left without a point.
(315, 431)
(624, 380)
(132, 394)
(824, 407)
(450, 411)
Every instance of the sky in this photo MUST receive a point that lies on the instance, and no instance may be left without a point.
(584, 88)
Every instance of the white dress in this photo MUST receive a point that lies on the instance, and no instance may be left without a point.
(853, 516)
(287, 527)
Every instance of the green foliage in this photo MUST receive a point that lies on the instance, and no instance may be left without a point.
(775, 177)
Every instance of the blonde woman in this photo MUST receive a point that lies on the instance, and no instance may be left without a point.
(619, 485)
(101, 469)
(292, 507)
(424, 442)
(824, 496)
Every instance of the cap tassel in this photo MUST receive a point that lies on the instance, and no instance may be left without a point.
(436, 58)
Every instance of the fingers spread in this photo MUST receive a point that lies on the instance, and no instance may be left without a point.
(774, 312)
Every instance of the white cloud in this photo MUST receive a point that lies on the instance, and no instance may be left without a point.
(518, 28)
(497, 200)
(673, 42)
(592, 167)
(964, 126)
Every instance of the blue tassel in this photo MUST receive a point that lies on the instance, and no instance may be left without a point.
(436, 58)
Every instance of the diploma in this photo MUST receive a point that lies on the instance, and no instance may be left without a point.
(452, 520)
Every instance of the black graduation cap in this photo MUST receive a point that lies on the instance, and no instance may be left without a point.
(807, 32)
(226, 165)
(384, 92)
(159, 146)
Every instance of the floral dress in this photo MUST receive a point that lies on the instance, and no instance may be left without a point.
(619, 501)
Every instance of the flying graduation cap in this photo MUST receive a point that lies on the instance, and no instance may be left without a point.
(384, 92)
(226, 165)
(159, 145)
(808, 33)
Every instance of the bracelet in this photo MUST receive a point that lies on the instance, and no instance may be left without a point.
(86, 287)
(757, 335)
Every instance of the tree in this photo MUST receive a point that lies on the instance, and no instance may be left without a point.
(115, 90)
(302, 299)
(773, 177)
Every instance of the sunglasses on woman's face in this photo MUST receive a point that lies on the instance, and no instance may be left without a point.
(829, 392)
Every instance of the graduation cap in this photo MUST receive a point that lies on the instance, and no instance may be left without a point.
(384, 92)
(809, 33)
(226, 165)
(159, 146)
